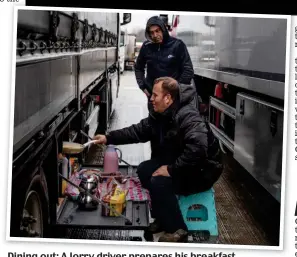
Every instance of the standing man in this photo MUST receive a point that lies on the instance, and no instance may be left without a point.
(162, 55)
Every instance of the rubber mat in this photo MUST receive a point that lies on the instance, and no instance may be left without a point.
(236, 225)
(237, 222)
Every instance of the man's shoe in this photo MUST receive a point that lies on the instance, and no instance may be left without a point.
(154, 227)
(178, 236)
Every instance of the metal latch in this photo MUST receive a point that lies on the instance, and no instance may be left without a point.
(241, 107)
(273, 122)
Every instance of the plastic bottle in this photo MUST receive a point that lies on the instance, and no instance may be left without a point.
(111, 160)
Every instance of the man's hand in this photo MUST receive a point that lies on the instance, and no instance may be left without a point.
(147, 93)
(162, 171)
(100, 139)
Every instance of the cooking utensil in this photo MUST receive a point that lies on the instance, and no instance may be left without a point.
(89, 182)
(75, 148)
(85, 134)
(86, 202)
(97, 199)
(120, 158)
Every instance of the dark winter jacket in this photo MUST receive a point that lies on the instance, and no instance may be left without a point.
(181, 140)
(170, 58)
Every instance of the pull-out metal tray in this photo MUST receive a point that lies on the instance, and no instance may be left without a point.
(137, 211)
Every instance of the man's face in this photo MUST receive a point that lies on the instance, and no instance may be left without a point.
(156, 34)
(160, 100)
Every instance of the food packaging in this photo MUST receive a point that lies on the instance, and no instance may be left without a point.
(71, 191)
(118, 201)
(74, 165)
(106, 176)
(115, 199)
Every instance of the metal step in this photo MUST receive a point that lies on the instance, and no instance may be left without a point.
(99, 234)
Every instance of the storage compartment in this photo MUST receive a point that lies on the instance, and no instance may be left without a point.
(259, 141)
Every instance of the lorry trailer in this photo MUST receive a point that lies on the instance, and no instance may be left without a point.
(130, 52)
(239, 65)
(123, 47)
(66, 81)
(127, 50)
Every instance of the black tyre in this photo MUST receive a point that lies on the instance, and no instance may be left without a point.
(32, 211)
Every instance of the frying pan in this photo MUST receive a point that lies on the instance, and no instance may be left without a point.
(75, 148)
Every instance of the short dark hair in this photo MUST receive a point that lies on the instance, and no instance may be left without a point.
(169, 85)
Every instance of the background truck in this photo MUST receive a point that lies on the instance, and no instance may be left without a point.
(127, 50)
(239, 65)
(66, 81)
(130, 52)
(123, 47)
(137, 49)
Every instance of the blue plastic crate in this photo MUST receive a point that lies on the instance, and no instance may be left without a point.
(199, 213)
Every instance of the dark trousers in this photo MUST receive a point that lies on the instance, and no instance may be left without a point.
(165, 206)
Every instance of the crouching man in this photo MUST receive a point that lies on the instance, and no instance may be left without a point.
(182, 160)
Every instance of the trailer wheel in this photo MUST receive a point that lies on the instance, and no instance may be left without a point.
(34, 214)
(32, 220)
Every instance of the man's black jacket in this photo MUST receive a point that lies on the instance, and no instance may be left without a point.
(180, 139)
(170, 58)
